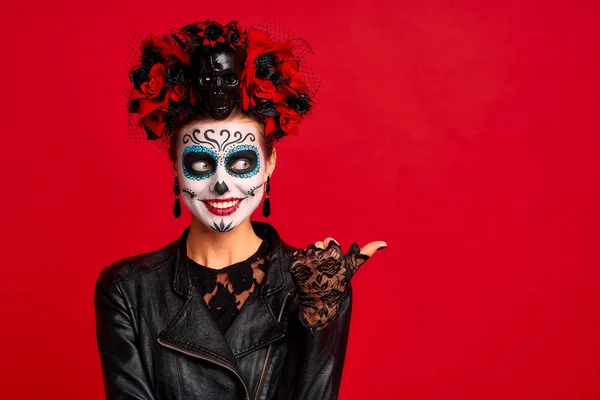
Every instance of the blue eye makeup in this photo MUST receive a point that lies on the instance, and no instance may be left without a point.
(242, 161)
(198, 162)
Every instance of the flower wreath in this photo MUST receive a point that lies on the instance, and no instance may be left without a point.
(273, 84)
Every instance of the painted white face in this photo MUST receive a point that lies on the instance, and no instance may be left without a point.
(221, 170)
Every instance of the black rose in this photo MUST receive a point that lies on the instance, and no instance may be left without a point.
(150, 56)
(266, 107)
(300, 104)
(176, 74)
(265, 60)
(234, 37)
(213, 32)
(176, 109)
(139, 76)
(302, 273)
(329, 266)
(266, 67)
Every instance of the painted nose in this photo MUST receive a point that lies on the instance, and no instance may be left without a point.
(221, 188)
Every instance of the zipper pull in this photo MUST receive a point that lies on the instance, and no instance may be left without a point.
(283, 306)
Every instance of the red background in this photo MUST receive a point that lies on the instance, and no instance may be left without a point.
(463, 133)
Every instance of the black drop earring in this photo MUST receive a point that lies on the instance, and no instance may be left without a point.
(177, 205)
(267, 203)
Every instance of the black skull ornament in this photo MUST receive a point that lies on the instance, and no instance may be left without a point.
(218, 80)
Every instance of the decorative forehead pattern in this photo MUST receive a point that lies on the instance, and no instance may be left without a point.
(220, 145)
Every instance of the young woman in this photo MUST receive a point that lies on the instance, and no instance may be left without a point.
(228, 310)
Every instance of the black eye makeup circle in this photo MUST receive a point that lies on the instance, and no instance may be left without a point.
(194, 158)
(243, 152)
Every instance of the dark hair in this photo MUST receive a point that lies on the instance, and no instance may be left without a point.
(267, 141)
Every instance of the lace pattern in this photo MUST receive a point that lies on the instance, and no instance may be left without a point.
(322, 275)
(226, 290)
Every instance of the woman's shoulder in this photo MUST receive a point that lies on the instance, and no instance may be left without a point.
(133, 266)
(288, 248)
(266, 230)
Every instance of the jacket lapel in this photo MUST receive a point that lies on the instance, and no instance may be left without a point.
(194, 331)
(256, 325)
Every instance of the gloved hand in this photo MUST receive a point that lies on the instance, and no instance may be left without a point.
(322, 272)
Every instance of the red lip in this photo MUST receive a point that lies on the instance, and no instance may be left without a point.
(222, 211)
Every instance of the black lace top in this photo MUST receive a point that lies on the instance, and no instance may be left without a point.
(226, 290)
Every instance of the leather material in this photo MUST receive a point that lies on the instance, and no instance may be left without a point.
(158, 340)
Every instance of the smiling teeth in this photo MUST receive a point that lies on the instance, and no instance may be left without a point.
(223, 204)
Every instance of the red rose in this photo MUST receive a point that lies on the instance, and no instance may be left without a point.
(156, 81)
(264, 88)
(289, 119)
(259, 43)
(289, 70)
(148, 105)
(154, 120)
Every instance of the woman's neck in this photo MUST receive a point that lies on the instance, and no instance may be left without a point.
(220, 249)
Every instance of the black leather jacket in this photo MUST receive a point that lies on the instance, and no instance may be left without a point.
(157, 339)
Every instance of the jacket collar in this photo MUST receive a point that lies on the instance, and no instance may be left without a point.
(194, 331)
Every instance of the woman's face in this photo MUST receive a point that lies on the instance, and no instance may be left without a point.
(222, 171)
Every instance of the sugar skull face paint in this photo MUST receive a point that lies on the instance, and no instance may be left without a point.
(221, 170)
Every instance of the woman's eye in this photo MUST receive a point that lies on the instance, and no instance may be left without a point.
(201, 166)
(198, 162)
(242, 161)
(241, 164)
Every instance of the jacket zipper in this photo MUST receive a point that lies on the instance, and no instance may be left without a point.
(207, 359)
(261, 380)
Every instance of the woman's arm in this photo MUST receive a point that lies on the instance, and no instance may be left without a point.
(322, 274)
(124, 375)
(316, 360)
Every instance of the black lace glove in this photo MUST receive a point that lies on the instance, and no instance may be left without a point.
(322, 273)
